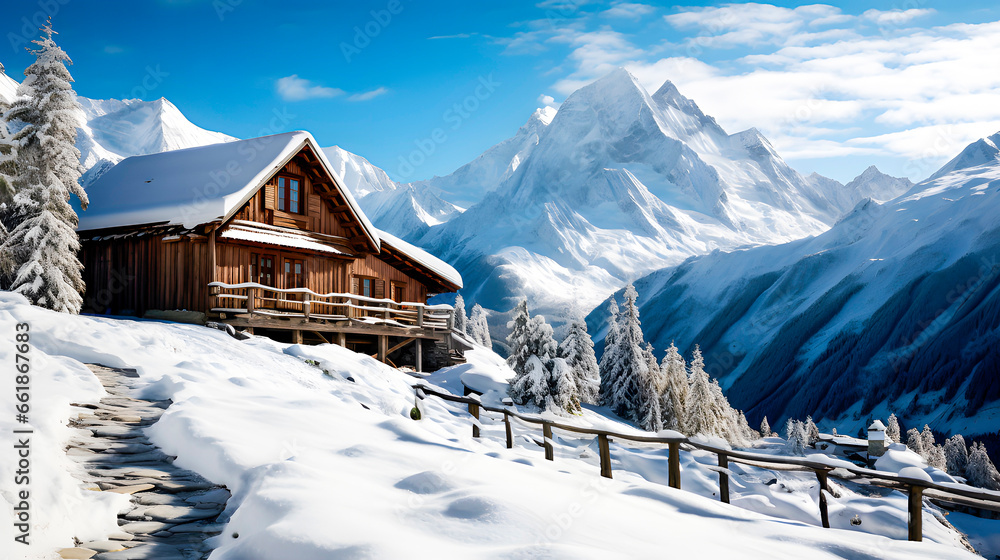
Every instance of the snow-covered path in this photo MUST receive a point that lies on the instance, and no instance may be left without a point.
(173, 513)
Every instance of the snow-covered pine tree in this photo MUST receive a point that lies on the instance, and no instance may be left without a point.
(562, 386)
(461, 320)
(609, 361)
(812, 432)
(956, 455)
(7, 154)
(927, 439)
(892, 429)
(578, 351)
(479, 328)
(675, 390)
(700, 411)
(517, 339)
(765, 428)
(532, 386)
(651, 387)
(936, 457)
(43, 243)
(629, 396)
(981, 471)
(915, 442)
(795, 437)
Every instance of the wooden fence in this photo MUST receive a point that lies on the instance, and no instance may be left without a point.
(251, 298)
(916, 489)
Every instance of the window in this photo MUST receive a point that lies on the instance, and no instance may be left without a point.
(366, 287)
(294, 274)
(289, 195)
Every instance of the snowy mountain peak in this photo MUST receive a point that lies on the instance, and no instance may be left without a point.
(982, 151)
(876, 185)
(669, 96)
(543, 116)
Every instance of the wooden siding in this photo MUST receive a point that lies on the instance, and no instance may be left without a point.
(322, 274)
(372, 266)
(262, 207)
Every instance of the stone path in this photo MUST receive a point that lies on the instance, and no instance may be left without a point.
(173, 512)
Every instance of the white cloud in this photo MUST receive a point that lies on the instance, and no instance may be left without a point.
(294, 88)
(628, 10)
(750, 24)
(368, 94)
(546, 101)
(895, 17)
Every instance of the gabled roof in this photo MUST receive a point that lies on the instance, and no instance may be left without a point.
(432, 263)
(200, 185)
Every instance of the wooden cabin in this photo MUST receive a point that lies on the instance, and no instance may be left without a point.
(261, 234)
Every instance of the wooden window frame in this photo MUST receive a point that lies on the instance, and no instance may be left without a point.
(393, 284)
(282, 203)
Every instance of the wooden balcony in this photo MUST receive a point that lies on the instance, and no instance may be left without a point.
(300, 310)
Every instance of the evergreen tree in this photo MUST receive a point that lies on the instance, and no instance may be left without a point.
(981, 471)
(812, 432)
(892, 429)
(630, 393)
(701, 415)
(795, 437)
(936, 457)
(532, 386)
(651, 387)
(517, 340)
(673, 400)
(915, 442)
(43, 243)
(8, 153)
(956, 455)
(609, 361)
(461, 320)
(765, 428)
(479, 328)
(578, 351)
(927, 440)
(563, 388)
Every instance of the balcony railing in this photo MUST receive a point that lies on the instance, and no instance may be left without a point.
(251, 298)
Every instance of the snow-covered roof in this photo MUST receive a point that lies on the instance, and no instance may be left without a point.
(273, 236)
(199, 185)
(877, 425)
(426, 259)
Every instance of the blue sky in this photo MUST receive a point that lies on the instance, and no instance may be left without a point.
(902, 84)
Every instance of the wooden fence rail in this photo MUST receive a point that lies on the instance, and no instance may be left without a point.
(257, 299)
(916, 489)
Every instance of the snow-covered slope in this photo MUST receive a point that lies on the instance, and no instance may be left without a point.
(324, 462)
(896, 308)
(405, 210)
(620, 183)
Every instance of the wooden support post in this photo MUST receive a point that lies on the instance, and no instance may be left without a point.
(723, 478)
(420, 355)
(506, 425)
(604, 447)
(474, 411)
(674, 462)
(212, 301)
(383, 345)
(251, 296)
(306, 305)
(450, 322)
(342, 339)
(420, 316)
(547, 434)
(915, 503)
(296, 336)
(824, 487)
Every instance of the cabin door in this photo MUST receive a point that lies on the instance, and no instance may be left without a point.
(266, 277)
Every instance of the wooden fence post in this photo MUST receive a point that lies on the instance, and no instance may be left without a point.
(420, 355)
(251, 296)
(824, 488)
(420, 316)
(723, 478)
(547, 434)
(506, 425)
(474, 411)
(674, 461)
(915, 505)
(305, 305)
(604, 447)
